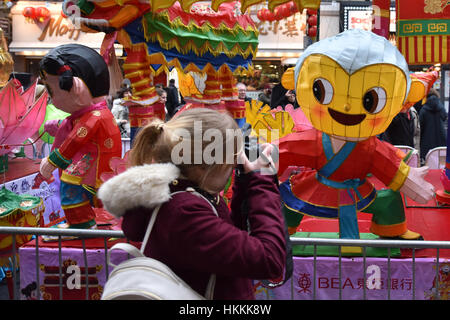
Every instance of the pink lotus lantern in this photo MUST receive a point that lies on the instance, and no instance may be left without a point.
(21, 115)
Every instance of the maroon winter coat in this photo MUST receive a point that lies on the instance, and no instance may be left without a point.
(194, 242)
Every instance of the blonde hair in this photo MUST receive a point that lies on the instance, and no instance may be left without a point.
(155, 142)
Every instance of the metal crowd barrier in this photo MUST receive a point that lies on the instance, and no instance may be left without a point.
(389, 244)
(83, 234)
(315, 242)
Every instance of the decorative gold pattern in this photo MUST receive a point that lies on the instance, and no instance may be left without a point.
(109, 143)
(96, 113)
(437, 27)
(434, 6)
(412, 27)
(82, 132)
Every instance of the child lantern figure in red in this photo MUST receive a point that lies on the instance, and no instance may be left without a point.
(77, 80)
(350, 87)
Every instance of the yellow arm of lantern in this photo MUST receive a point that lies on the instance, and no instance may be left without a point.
(400, 177)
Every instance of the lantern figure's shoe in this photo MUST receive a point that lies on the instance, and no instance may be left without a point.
(408, 235)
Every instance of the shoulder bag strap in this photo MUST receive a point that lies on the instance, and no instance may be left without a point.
(152, 222)
(212, 279)
(128, 248)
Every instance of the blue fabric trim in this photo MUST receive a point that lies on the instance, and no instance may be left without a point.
(347, 184)
(334, 160)
(348, 223)
(327, 148)
(73, 194)
(294, 203)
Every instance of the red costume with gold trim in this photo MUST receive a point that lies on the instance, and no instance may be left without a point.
(369, 156)
(85, 153)
(91, 144)
(310, 193)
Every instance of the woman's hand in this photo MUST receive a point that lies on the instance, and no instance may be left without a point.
(264, 163)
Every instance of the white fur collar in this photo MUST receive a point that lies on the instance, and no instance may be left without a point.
(146, 185)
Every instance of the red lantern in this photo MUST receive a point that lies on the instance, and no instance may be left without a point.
(267, 15)
(285, 10)
(259, 15)
(270, 16)
(312, 31)
(29, 12)
(42, 14)
(312, 20)
(293, 7)
(311, 23)
(277, 13)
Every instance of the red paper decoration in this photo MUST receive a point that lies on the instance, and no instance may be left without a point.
(277, 13)
(42, 14)
(29, 12)
(259, 15)
(312, 31)
(39, 14)
(285, 10)
(292, 7)
(312, 20)
(311, 23)
(281, 12)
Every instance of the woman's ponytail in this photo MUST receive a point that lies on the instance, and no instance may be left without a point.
(143, 150)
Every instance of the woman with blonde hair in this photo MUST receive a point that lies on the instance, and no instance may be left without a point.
(195, 234)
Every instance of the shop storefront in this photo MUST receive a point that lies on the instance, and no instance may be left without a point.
(39, 26)
(280, 44)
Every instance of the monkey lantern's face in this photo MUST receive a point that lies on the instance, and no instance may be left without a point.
(357, 105)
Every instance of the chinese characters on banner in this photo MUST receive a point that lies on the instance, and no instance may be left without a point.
(287, 33)
(397, 285)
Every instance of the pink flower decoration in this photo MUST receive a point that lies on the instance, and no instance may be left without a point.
(117, 165)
